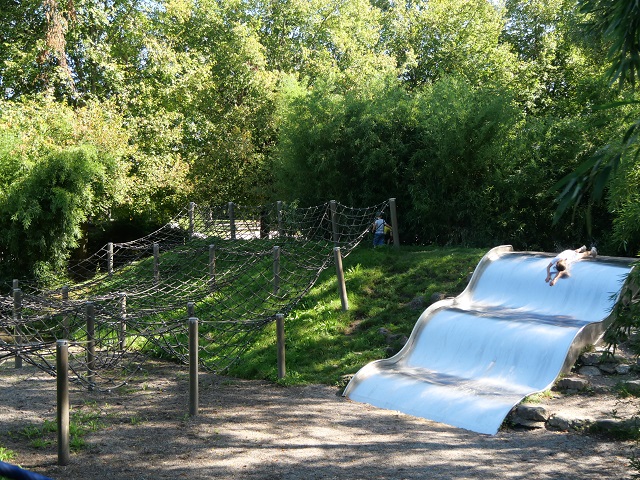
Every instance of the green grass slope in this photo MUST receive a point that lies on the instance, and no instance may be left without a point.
(387, 289)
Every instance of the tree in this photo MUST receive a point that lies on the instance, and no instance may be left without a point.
(450, 38)
(58, 167)
(618, 24)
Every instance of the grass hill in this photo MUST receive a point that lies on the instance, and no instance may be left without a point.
(387, 289)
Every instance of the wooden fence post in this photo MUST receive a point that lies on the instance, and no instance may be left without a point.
(156, 264)
(65, 319)
(110, 258)
(280, 226)
(192, 221)
(91, 344)
(342, 287)
(122, 332)
(212, 267)
(193, 366)
(17, 318)
(232, 222)
(276, 269)
(62, 397)
(334, 222)
(281, 346)
(394, 222)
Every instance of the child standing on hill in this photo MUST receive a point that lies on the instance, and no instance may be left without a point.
(378, 230)
(559, 266)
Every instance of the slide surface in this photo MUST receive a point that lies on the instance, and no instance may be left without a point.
(471, 359)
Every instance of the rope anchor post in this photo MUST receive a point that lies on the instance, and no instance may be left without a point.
(282, 370)
(62, 394)
(193, 366)
(342, 287)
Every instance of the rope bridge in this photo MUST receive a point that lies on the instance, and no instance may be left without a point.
(233, 267)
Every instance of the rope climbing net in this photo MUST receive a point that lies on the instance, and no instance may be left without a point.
(234, 268)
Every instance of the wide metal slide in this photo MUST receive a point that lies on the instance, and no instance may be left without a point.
(471, 359)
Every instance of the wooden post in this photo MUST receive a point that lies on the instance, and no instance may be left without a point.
(62, 396)
(212, 267)
(110, 258)
(342, 287)
(394, 222)
(334, 222)
(232, 222)
(156, 264)
(280, 226)
(264, 224)
(91, 344)
(192, 222)
(122, 333)
(17, 318)
(193, 366)
(65, 320)
(276, 269)
(281, 350)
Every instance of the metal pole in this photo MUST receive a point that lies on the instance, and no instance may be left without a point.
(394, 222)
(191, 309)
(193, 366)
(342, 287)
(91, 344)
(62, 394)
(281, 350)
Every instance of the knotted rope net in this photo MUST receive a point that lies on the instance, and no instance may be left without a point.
(234, 268)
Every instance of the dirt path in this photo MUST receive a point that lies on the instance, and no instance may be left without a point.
(257, 430)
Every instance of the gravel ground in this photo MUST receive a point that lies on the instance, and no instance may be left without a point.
(258, 430)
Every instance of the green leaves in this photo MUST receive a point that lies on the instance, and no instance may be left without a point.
(42, 213)
(618, 22)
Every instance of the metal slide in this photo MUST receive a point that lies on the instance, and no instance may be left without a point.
(471, 359)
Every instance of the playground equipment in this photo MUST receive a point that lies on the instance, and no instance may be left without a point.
(471, 359)
(236, 268)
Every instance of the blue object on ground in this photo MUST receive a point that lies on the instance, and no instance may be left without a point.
(16, 473)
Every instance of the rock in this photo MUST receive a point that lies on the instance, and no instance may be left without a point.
(534, 413)
(417, 303)
(618, 427)
(395, 341)
(572, 383)
(623, 369)
(590, 371)
(560, 422)
(609, 368)
(632, 386)
(518, 421)
(590, 358)
(557, 422)
(436, 297)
